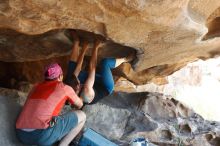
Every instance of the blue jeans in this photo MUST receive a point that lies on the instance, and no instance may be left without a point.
(104, 82)
(47, 137)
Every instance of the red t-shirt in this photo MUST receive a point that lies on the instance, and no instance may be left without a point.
(44, 101)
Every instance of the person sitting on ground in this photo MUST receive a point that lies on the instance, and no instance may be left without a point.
(96, 85)
(40, 122)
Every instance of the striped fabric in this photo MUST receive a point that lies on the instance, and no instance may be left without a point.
(44, 101)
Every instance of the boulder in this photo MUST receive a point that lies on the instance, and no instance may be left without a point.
(165, 33)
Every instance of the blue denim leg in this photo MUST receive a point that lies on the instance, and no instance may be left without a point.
(64, 124)
(29, 138)
(104, 83)
(47, 137)
(107, 80)
(71, 67)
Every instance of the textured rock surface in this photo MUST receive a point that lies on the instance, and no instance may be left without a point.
(168, 32)
(19, 47)
(9, 110)
(23, 57)
(122, 117)
(195, 85)
(163, 120)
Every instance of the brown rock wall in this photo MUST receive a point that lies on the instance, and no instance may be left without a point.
(166, 31)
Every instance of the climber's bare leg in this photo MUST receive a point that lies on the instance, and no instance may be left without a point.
(75, 48)
(65, 141)
(88, 87)
(80, 59)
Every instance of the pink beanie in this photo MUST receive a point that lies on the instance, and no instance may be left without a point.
(52, 71)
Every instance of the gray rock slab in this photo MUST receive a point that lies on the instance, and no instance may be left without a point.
(9, 110)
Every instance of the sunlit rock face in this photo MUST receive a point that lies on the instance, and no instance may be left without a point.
(167, 35)
(165, 32)
(196, 85)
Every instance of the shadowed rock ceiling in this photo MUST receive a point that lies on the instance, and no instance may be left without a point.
(167, 34)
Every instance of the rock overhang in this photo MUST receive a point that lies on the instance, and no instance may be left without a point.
(165, 33)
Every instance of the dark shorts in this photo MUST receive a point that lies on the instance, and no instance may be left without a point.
(104, 82)
(47, 137)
